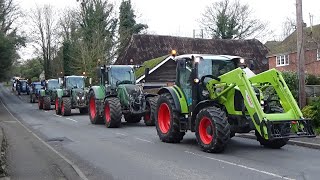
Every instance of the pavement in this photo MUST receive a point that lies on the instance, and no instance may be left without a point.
(134, 151)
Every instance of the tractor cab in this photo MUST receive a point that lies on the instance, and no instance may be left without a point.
(115, 75)
(52, 84)
(194, 71)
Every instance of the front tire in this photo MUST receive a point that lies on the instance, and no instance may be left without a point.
(40, 103)
(112, 112)
(66, 106)
(95, 118)
(57, 106)
(46, 103)
(212, 130)
(149, 116)
(167, 120)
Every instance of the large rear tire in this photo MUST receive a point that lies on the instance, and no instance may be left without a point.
(46, 103)
(212, 130)
(151, 105)
(112, 112)
(57, 106)
(167, 120)
(66, 106)
(95, 118)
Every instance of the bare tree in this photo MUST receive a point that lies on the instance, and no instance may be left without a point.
(228, 19)
(9, 13)
(44, 34)
(288, 27)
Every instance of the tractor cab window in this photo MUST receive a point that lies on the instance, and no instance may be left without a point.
(37, 86)
(185, 79)
(75, 82)
(53, 85)
(215, 67)
(122, 75)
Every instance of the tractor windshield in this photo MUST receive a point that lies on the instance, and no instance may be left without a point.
(215, 67)
(75, 82)
(37, 86)
(122, 75)
(53, 84)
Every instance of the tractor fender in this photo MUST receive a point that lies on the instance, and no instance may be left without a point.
(174, 95)
(199, 107)
(98, 92)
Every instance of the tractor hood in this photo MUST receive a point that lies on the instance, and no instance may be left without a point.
(79, 92)
(132, 90)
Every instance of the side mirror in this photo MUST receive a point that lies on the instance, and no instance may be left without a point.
(146, 72)
(90, 81)
(60, 81)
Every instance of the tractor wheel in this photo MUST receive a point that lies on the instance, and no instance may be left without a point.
(40, 102)
(273, 144)
(212, 129)
(66, 106)
(46, 103)
(57, 106)
(93, 112)
(167, 120)
(149, 117)
(83, 110)
(132, 118)
(112, 112)
(276, 143)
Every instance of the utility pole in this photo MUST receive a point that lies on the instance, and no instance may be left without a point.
(300, 55)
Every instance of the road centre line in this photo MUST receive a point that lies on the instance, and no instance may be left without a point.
(71, 119)
(241, 166)
(74, 166)
(121, 134)
(144, 140)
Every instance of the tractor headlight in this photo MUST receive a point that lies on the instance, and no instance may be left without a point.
(78, 97)
(242, 61)
(82, 97)
(262, 102)
(196, 80)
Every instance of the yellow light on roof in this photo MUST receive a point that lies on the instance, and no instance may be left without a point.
(173, 52)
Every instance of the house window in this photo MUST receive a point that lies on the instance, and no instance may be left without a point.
(318, 55)
(282, 60)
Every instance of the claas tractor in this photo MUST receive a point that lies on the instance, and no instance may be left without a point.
(48, 93)
(72, 94)
(216, 96)
(117, 95)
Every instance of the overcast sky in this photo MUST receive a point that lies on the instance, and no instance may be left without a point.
(180, 17)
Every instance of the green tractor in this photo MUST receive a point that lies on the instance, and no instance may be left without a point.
(118, 95)
(218, 96)
(47, 95)
(72, 95)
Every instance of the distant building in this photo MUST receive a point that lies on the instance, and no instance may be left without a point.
(283, 54)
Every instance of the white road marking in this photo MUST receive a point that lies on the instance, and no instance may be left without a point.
(241, 166)
(304, 142)
(57, 115)
(71, 119)
(121, 134)
(74, 166)
(46, 111)
(144, 140)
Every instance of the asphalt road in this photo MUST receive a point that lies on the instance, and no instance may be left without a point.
(134, 151)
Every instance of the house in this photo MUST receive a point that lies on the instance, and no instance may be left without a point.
(283, 55)
(153, 52)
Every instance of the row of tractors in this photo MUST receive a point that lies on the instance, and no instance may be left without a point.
(213, 96)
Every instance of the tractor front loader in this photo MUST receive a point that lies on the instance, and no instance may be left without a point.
(215, 97)
(117, 95)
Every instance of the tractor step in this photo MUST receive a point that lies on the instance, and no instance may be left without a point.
(283, 129)
(184, 125)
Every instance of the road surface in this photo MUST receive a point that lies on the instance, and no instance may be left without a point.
(134, 151)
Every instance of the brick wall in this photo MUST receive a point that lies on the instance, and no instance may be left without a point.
(312, 65)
